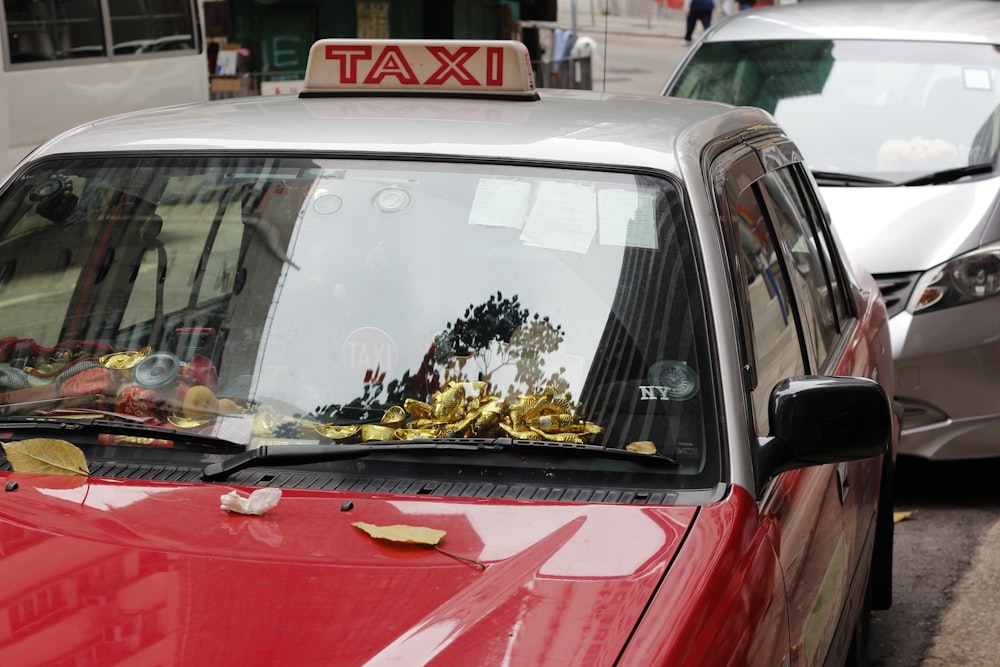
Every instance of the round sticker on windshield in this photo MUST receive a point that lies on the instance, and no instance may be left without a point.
(673, 380)
(327, 204)
(369, 354)
(391, 200)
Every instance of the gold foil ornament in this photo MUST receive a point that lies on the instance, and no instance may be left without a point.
(415, 434)
(418, 409)
(186, 422)
(520, 435)
(124, 360)
(448, 401)
(334, 432)
(394, 416)
(200, 403)
(466, 409)
(371, 432)
(488, 416)
(554, 423)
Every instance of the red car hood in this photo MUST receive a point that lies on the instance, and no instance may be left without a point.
(124, 572)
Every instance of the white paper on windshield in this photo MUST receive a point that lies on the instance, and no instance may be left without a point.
(976, 79)
(500, 203)
(563, 217)
(626, 218)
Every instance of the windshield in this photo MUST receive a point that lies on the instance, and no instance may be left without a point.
(887, 108)
(324, 301)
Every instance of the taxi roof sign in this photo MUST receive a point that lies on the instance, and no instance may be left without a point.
(477, 68)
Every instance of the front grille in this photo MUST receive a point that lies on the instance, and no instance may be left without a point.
(896, 289)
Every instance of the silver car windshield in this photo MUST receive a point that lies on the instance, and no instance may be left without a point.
(298, 301)
(881, 108)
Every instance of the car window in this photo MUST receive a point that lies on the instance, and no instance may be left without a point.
(76, 28)
(809, 266)
(862, 106)
(773, 326)
(336, 296)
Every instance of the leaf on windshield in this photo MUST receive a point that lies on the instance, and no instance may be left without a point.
(412, 535)
(642, 447)
(48, 456)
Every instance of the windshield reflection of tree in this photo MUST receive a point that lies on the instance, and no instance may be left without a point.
(490, 336)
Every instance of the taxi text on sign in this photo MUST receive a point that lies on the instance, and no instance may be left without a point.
(419, 65)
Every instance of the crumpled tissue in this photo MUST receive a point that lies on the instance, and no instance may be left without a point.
(257, 502)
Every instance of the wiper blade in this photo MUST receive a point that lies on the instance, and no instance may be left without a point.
(838, 178)
(949, 175)
(289, 455)
(97, 425)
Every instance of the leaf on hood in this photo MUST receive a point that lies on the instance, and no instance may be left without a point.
(413, 535)
(402, 533)
(48, 456)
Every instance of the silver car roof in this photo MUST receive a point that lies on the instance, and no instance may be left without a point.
(571, 126)
(975, 21)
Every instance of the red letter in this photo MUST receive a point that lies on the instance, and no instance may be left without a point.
(494, 66)
(348, 57)
(452, 65)
(392, 63)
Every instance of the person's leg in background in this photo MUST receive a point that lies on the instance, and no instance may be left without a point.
(692, 20)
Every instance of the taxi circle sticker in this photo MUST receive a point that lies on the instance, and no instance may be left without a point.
(369, 353)
(672, 380)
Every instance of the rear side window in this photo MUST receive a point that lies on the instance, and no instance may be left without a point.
(811, 269)
(773, 324)
(792, 304)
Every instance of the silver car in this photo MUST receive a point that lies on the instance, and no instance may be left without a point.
(894, 106)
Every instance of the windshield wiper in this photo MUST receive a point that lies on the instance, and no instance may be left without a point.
(949, 175)
(289, 455)
(837, 178)
(55, 426)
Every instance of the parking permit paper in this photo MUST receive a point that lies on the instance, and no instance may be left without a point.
(976, 79)
(500, 203)
(563, 217)
(626, 218)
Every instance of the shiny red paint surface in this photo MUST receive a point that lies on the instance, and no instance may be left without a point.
(121, 572)
(723, 603)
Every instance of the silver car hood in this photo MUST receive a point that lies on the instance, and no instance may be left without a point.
(908, 229)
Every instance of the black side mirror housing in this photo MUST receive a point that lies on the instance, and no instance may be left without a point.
(819, 419)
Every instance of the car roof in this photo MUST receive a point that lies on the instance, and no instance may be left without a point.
(975, 21)
(563, 125)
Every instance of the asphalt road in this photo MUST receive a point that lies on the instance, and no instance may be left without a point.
(946, 556)
(947, 550)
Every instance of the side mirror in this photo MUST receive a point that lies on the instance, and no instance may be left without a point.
(817, 419)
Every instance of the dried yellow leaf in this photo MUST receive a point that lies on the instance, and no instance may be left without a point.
(642, 447)
(47, 456)
(402, 533)
(901, 516)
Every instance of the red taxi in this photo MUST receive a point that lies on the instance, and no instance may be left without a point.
(424, 366)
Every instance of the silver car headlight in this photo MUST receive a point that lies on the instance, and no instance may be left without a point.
(966, 278)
